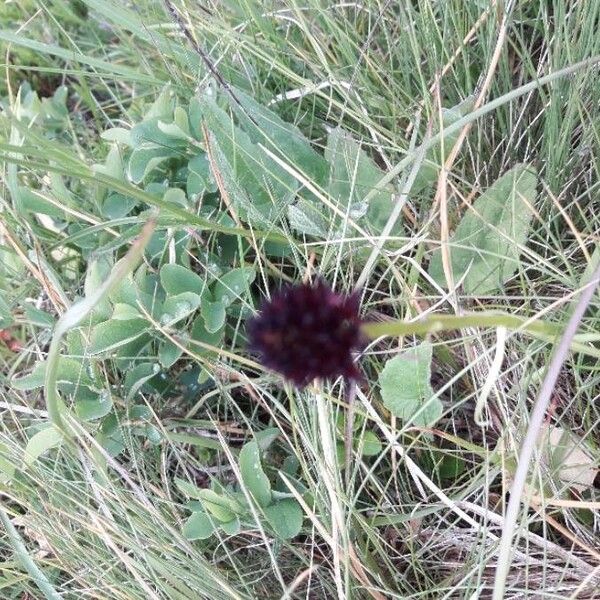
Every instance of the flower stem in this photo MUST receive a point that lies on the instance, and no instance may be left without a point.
(436, 323)
(327, 439)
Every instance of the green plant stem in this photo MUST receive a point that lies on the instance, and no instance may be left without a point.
(75, 315)
(20, 550)
(331, 480)
(436, 323)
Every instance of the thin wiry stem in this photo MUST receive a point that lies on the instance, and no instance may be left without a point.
(206, 59)
(535, 424)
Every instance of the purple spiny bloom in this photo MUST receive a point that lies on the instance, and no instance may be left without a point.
(308, 331)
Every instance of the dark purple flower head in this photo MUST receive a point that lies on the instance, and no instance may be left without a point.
(306, 332)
